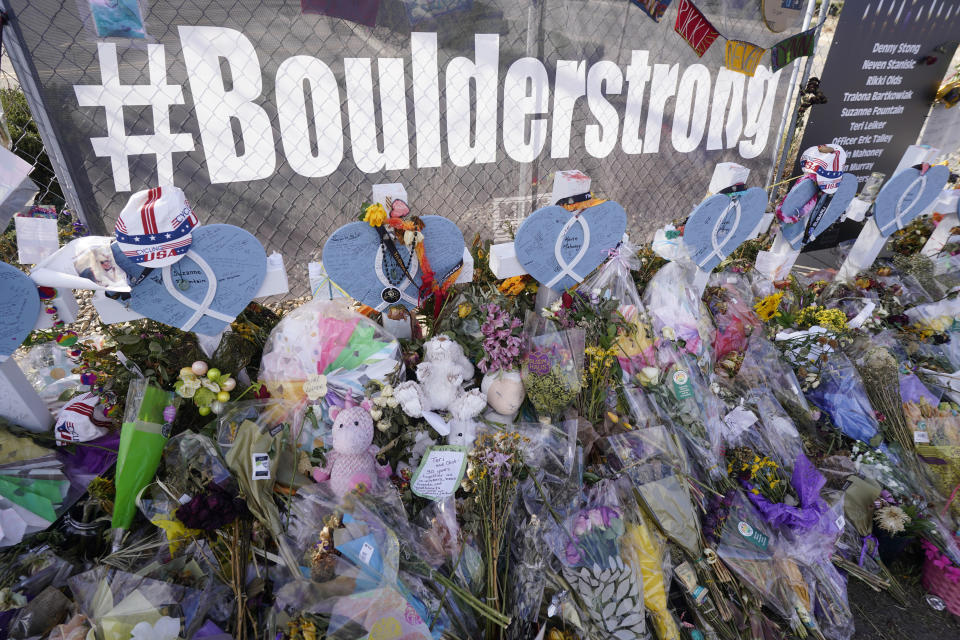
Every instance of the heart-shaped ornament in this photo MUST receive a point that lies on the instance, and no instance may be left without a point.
(357, 262)
(801, 193)
(19, 308)
(208, 288)
(721, 223)
(559, 248)
(906, 195)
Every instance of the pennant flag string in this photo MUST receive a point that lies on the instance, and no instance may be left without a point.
(739, 55)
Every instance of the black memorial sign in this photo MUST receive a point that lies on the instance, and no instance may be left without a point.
(880, 78)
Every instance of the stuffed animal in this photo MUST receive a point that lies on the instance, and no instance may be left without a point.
(440, 388)
(353, 460)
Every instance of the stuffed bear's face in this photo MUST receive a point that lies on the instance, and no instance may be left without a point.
(352, 431)
(442, 348)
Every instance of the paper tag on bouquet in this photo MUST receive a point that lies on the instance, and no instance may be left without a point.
(440, 472)
(682, 388)
(751, 534)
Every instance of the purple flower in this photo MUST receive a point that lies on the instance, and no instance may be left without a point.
(572, 553)
(169, 414)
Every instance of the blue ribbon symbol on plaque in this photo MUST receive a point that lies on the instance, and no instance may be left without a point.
(721, 223)
(906, 195)
(208, 288)
(559, 248)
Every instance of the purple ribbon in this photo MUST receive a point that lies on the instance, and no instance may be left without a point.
(864, 550)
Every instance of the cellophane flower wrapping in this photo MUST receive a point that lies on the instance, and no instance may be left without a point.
(746, 544)
(689, 406)
(653, 461)
(117, 602)
(937, 446)
(729, 298)
(762, 366)
(360, 579)
(810, 549)
(334, 350)
(677, 312)
(634, 346)
(551, 366)
(842, 396)
(588, 544)
(259, 447)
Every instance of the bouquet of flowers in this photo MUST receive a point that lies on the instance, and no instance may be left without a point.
(496, 466)
(683, 395)
(588, 545)
(322, 351)
(551, 366)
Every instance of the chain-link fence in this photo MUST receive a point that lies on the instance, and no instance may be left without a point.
(19, 133)
(280, 121)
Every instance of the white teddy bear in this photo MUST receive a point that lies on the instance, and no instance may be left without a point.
(440, 388)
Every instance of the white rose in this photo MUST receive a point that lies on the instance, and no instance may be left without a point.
(376, 414)
(383, 425)
(669, 333)
(392, 403)
(648, 375)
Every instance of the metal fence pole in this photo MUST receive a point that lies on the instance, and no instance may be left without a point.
(783, 146)
(26, 77)
(824, 7)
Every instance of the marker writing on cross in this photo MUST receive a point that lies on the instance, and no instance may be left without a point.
(113, 97)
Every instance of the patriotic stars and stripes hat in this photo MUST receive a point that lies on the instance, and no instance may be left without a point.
(155, 227)
(826, 162)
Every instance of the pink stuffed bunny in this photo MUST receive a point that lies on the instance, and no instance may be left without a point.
(352, 461)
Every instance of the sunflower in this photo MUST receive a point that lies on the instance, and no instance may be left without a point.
(767, 307)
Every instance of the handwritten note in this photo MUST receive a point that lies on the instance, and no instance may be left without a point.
(440, 472)
(354, 259)
(224, 259)
(560, 249)
(19, 308)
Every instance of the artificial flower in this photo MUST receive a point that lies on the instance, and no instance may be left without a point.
(375, 215)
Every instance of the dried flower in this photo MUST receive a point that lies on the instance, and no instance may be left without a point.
(891, 519)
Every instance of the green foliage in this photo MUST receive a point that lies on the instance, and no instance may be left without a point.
(28, 145)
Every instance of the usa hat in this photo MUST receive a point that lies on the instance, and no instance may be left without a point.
(155, 227)
(826, 162)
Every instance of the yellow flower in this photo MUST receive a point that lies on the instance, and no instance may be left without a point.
(832, 319)
(177, 532)
(755, 492)
(464, 309)
(767, 307)
(513, 286)
(375, 215)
